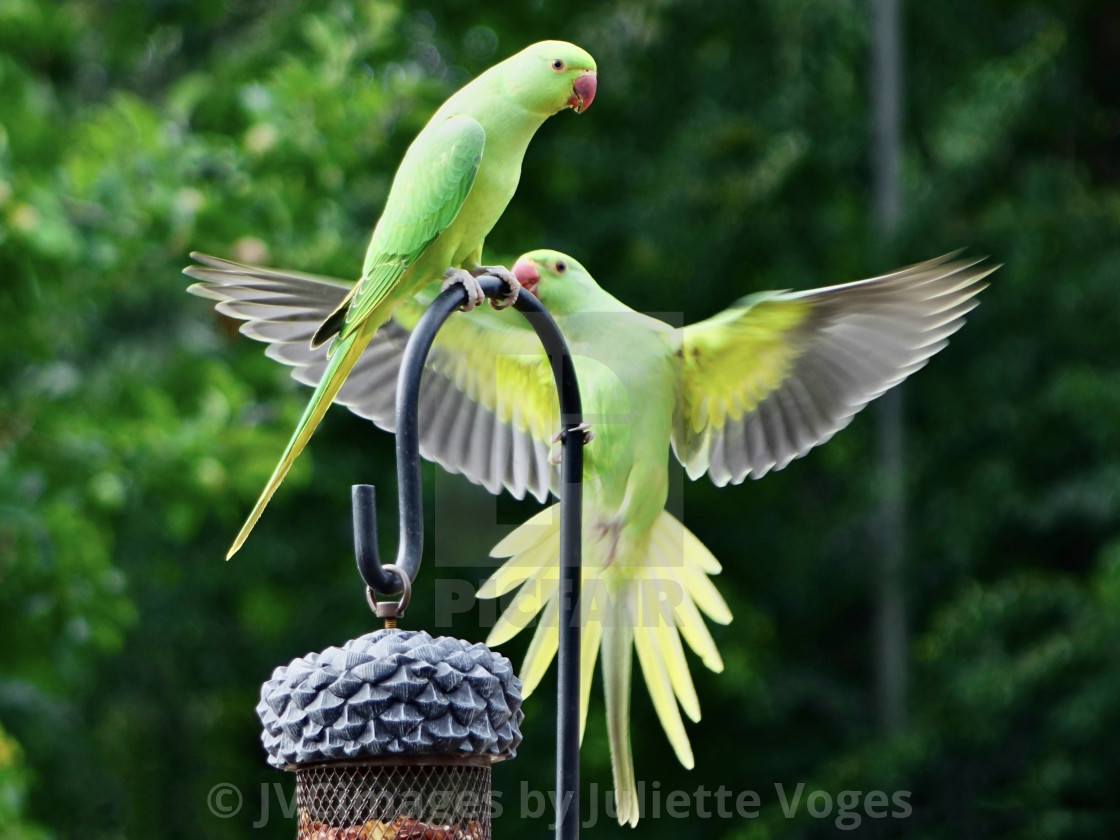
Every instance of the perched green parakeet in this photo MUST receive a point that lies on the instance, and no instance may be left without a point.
(451, 188)
(739, 394)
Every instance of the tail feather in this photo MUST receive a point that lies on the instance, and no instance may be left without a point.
(668, 643)
(543, 526)
(617, 644)
(644, 603)
(661, 692)
(528, 556)
(529, 600)
(590, 640)
(542, 650)
(343, 358)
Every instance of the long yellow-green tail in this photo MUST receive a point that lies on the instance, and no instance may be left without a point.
(641, 594)
(344, 355)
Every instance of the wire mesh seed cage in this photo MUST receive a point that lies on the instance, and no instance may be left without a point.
(438, 799)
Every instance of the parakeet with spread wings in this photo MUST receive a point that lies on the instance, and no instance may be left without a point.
(739, 394)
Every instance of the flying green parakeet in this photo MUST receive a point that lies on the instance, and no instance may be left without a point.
(451, 188)
(742, 393)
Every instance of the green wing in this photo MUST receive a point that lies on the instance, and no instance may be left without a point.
(427, 194)
(488, 407)
(765, 381)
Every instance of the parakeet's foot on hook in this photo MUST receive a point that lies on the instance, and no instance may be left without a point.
(554, 453)
(506, 276)
(475, 295)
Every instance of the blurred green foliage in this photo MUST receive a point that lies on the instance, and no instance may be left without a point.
(727, 152)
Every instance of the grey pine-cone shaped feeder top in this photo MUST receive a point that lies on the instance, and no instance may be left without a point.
(392, 693)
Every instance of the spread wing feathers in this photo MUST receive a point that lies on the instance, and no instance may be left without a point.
(765, 381)
(427, 194)
(644, 603)
(487, 403)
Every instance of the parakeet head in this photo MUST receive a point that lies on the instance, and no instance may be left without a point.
(551, 75)
(561, 283)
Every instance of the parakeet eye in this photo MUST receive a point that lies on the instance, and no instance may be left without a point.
(557, 64)
(561, 266)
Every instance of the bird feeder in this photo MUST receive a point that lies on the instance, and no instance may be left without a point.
(392, 735)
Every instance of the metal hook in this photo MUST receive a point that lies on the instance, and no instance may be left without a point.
(390, 579)
(410, 543)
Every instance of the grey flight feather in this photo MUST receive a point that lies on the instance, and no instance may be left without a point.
(285, 308)
(859, 340)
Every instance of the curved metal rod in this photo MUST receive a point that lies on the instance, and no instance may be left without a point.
(411, 543)
(410, 500)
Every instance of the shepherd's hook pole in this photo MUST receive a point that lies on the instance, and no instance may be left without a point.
(381, 580)
(890, 618)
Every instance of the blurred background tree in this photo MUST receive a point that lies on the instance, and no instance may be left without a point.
(727, 152)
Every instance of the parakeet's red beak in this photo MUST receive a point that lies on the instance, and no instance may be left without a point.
(583, 91)
(527, 275)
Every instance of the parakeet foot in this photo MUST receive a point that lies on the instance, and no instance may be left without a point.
(506, 276)
(588, 436)
(475, 295)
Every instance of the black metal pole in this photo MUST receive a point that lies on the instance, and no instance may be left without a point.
(890, 618)
(570, 623)
(411, 506)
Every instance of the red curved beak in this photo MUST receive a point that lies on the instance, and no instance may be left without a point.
(527, 275)
(583, 91)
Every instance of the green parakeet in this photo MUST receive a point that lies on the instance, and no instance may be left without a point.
(739, 394)
(451, 188)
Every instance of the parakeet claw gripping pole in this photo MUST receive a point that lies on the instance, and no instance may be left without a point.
(391, 579)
